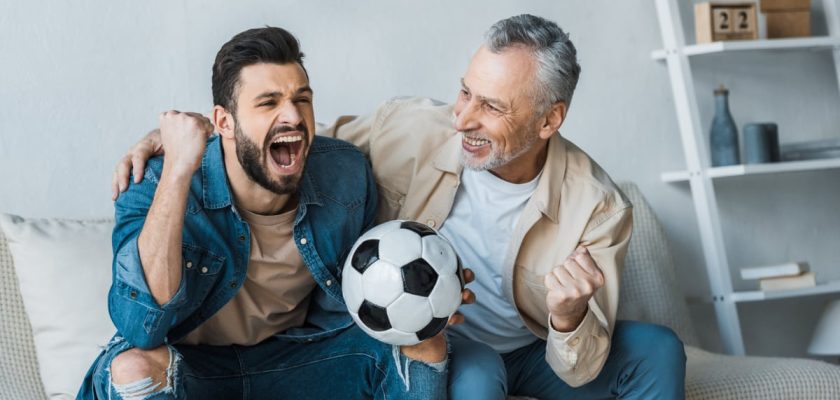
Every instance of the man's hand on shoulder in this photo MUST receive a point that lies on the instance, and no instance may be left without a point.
(185, 130)
(570, 286)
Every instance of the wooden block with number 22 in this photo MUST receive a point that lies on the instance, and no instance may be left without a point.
(732, 20)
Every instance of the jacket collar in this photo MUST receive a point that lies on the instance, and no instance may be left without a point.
(449, 156)
(547, 195)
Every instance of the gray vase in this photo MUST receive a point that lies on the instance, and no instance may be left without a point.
(724, 133)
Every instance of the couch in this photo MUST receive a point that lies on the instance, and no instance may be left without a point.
(650, 293)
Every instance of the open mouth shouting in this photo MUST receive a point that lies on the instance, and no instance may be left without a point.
(286, 152)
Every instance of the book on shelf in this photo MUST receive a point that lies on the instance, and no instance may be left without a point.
(810, 150)
(774, 271)
(804, 280)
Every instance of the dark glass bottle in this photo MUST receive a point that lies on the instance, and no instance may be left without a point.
(724, 133)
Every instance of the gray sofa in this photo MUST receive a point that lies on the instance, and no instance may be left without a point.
(650, 293)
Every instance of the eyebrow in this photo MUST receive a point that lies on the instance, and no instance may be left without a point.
(498, 103)
(271, 95)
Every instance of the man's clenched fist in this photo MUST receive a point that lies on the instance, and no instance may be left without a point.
(570, 286)
(183, 136)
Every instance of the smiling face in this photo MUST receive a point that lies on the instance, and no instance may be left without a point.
(273, 124)
(496, 116)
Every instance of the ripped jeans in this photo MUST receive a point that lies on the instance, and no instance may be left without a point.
(350, 365)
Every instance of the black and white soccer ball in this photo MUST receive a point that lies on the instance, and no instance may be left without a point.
(401, 282)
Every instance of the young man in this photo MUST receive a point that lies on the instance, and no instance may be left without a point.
(227, 254)
(543, 226)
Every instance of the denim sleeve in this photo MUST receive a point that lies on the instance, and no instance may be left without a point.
(135, 313)
(372, 201)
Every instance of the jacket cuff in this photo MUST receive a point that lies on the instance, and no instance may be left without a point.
(569, 342)
(564, 350)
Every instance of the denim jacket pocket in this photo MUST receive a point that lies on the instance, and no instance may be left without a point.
(200, 269)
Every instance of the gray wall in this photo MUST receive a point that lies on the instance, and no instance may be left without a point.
(81, 81)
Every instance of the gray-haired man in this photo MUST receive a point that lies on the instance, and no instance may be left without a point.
(541, 224)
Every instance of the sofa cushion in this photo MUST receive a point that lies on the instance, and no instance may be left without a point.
(64, 273)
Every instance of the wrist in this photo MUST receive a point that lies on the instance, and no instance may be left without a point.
(174, 173)
(567, 322)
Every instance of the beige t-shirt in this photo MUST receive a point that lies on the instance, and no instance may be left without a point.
(276, 291)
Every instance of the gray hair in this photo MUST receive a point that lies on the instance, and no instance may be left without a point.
(557, 66)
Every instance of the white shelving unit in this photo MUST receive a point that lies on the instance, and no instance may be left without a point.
(700, 175)
(755, 169)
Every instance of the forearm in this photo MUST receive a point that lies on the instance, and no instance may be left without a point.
(159, 243)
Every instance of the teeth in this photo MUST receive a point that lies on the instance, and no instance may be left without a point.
(293, 160)
(476, 142)
(288, 139)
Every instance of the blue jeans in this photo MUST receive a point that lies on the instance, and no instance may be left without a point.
(350, 365)
(646, 361)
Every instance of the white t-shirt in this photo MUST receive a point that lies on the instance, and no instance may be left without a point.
(480, 226)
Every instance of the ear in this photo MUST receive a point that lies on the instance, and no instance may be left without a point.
(554, 117)
(225, 124)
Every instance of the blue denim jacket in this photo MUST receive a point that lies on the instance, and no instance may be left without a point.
(337, 202)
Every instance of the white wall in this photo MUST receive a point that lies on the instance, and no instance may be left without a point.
(81, 81)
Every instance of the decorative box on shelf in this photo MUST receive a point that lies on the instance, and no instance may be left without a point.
(787, 18)
(716, 21)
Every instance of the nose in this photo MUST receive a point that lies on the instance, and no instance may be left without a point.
(466, 116)
(289, 114)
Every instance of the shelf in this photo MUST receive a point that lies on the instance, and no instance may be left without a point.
(756, 169)
(809, 43)
(759, 295)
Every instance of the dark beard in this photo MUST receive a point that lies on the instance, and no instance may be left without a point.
(251, 158)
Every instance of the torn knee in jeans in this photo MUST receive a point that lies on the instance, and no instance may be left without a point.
(145, 387)
(404, 367)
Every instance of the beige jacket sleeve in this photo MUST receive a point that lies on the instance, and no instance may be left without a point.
(577, 357)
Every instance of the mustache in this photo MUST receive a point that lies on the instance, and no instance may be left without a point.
(474, 135)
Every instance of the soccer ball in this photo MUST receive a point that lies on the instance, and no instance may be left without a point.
(401, 282)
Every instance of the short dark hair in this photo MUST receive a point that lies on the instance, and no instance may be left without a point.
(254, 46)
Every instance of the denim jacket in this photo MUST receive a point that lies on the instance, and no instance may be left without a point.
(337, 202)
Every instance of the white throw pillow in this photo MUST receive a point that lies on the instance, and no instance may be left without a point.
(64, 271)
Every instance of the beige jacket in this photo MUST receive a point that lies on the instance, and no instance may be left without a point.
(414, 150)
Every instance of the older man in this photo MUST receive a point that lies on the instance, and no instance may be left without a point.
(541, 224)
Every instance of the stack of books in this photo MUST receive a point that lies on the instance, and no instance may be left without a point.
(793, 275)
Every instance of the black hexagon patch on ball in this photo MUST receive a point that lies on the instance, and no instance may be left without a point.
(366, 254)
(419, 277)
(418, 228)
(432, 328)
(374, 317)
